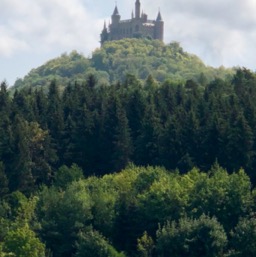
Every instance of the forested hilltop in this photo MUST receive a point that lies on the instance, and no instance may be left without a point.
(116, 59)
(138, 168)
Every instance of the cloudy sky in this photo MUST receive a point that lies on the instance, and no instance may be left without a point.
(220, 32)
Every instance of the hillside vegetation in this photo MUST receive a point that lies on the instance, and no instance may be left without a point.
(142, 57)
(138, 212)
(116, 59)
(156, 167)
(102, 129)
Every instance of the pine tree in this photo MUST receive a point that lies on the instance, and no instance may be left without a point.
(21, 174)
(147, 144)
(4, 188)
(55, 121)
(122, 139)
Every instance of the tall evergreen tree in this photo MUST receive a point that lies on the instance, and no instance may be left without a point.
(147, 144)
(55, 122)
(122, 139)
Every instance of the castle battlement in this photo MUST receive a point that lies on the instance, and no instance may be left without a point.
(139, 26)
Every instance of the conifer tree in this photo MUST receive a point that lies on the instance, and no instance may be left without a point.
(55, 122)
(147, 144)
(4, 188)
(122, 139)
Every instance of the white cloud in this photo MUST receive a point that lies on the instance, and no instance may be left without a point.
(10, 44)
(220, 32)
(45, 24)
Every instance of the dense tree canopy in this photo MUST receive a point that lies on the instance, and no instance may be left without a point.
(103, 128)
(139, 168)
(136, 212)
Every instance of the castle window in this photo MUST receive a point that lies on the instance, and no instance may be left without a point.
(137, 28)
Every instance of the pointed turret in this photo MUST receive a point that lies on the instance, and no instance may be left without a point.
(104, 34)
(115, 11)
(137, 9)
(159, 16)
(159, 27)
(132, 14)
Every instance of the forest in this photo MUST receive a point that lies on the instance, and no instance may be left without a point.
(140, 168)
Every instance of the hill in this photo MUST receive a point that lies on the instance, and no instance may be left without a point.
(116, 59)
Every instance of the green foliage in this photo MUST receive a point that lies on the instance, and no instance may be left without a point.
(243, 238)
(165, 199)
(104, 130)
(224, 196)
(191, 237)
(93, 244)
(105, 216)
(65, 176)
(31, 162)
(104, 198)
(14, 202)
(3, 181)
(145, 245)
(22, 242)
(62, 215)
(116, 59)
(18, 234)
(64, 69)
(142, 57)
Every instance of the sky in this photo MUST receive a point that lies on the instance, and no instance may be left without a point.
(220, 32)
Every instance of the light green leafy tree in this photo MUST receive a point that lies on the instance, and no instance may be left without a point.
(23, 242)
(227, 197)
(93, 244)
(62, 215)
(145, 245)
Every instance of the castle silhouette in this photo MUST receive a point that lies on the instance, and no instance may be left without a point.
(139, 26)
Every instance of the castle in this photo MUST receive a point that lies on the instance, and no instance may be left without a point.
(139, 26)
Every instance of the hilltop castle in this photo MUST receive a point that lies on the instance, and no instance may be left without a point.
(138, 26)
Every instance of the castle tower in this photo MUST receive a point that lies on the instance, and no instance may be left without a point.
(115, 17)
(137, 9)
(159, 27)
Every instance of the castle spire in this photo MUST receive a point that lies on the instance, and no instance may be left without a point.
(104, 34)
(159, 27)
(137, 9)
(159, 16)
(116, 12)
